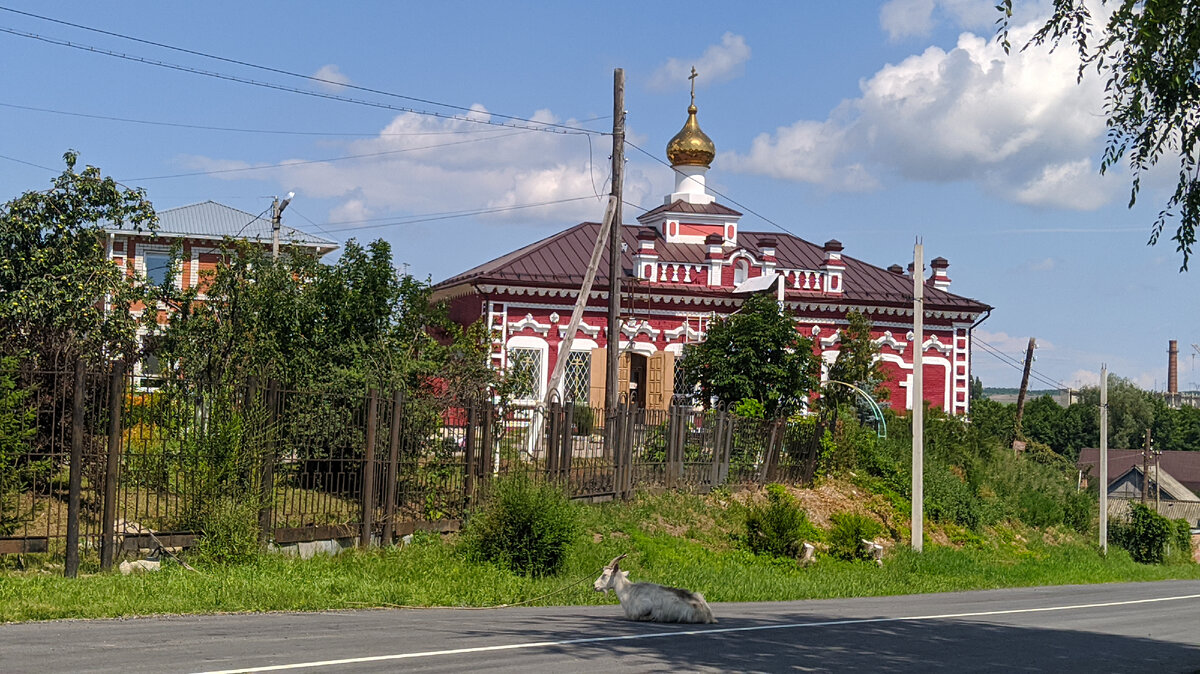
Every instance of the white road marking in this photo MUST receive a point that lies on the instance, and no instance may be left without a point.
(656, 635)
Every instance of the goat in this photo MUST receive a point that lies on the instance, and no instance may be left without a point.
(873, 551)
(653, 603)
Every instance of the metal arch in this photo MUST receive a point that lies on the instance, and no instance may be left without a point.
(881, 428)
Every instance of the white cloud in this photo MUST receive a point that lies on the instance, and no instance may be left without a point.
(336, 80)
(420, 165)
(718, 63)
(1081, 378)
(1047, 264)
(1019, 126)
(916, 18)
(1011, 345)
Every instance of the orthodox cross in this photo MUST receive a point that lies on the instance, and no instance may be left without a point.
(692, 77)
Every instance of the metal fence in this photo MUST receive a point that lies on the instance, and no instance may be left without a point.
(97, 464)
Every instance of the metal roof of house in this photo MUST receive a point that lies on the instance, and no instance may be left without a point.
(211, 220)
(1184, 466)
(561, 260)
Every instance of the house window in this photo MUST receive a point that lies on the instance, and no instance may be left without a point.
(577, 379)
(525, 368)
(684, 388)
(158, 267)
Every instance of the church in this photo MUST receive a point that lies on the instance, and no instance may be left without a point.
(685, 264)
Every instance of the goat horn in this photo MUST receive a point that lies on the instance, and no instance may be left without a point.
(613, 563)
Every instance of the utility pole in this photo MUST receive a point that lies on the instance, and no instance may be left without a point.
(918, 399)
(276, 215)
(1104, 458)
(1024, 386)
(613, 352)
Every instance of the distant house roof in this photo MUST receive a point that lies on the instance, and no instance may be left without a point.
(211, 220)
(562, 259)
(1172, 489)
(1183, 466)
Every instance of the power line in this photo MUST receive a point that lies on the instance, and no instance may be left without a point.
(322, 161)
(449, 215)
(1019, 365)
(544, 127)
(204, 127)
(723, 196)
(28, 163)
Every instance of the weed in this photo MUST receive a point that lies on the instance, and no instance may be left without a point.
(779, 527)
(848, 532)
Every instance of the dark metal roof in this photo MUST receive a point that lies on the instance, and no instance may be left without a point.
(212, 220)
(561, 260)
(1182, 465)
(681, 206)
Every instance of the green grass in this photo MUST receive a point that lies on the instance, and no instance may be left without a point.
(675, 539)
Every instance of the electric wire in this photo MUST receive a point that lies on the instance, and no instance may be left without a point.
(450, 215)
(544, 127)
(28, 163)
(204, 127)
(243, 169)
(1017, 364)
(281, 71)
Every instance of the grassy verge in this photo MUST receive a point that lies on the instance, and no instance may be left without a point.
(673, 539)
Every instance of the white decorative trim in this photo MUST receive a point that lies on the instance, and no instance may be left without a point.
(936, 344)
(888, 340)
(832, 339)
(554, 317)
(684, 329)
(589, 330)
(643, 348)
(528, 322)
(632, 329)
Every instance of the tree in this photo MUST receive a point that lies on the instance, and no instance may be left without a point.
(60, 297)
(755, 353)
(1130, 412)
(1150, 52)
(857, 364)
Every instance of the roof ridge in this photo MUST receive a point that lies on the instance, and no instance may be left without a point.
(521, 252)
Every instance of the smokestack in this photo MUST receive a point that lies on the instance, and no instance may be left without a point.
(1173, 367)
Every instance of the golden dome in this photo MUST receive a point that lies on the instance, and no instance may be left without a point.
(691, 146)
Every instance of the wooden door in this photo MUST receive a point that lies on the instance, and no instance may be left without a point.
(599, 376)
(623, 378)
(660, 380)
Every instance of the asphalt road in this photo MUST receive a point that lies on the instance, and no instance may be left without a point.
(1134, 627)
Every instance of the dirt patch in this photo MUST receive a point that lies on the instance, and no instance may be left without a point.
(661, 524)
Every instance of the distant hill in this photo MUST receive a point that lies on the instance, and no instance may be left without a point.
(1009, 395)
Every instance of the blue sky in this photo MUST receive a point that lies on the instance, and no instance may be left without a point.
(869, 123)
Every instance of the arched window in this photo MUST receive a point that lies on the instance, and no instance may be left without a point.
(741, 271)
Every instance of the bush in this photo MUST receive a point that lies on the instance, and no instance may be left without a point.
(779, 527)
(1147, 535)
(848, 532)
(584, 419)
(948, 498)
(524, 526)
(1181, 540)
(230, 532)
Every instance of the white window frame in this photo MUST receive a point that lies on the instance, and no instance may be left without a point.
(154, 249)
(537, 344)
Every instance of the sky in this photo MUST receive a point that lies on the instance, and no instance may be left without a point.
(871, 123)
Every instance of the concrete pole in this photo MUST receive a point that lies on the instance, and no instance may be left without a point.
(918, 399)
(1104, 459)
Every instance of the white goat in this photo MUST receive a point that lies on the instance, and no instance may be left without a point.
(653, 603)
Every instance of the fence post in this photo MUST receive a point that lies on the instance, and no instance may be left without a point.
(770, 456)
(116, 402)
(76, 476)
(393, 458)
(489, 441)
(368, 472)
(553, 436)
(267, 483)
(469, 452)
(568, 443)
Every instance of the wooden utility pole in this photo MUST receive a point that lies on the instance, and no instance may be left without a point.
(1104, 458)
(585, 291)
(1024, 387)
(276, 221)
(613, 352)
(918, 399)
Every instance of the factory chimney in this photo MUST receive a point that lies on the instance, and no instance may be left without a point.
(1173, 367)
